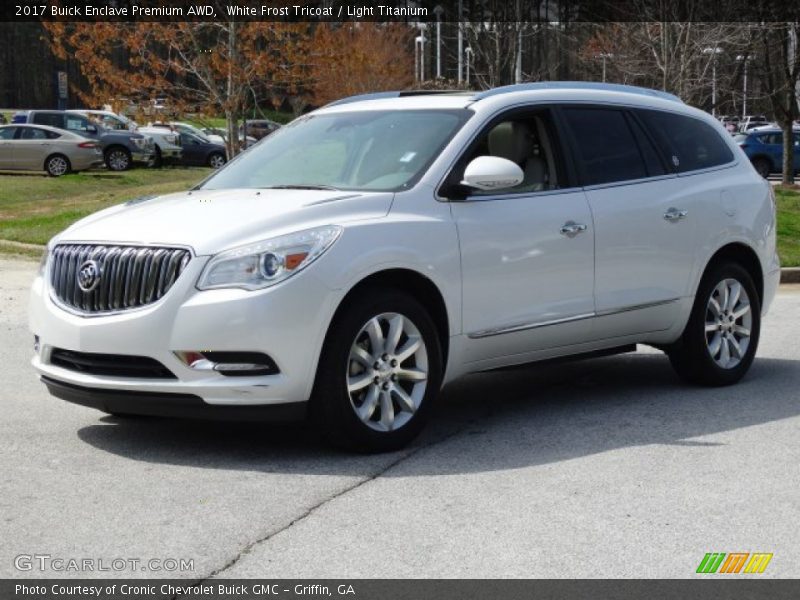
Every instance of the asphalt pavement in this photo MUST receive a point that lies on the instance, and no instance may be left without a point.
(602, 468)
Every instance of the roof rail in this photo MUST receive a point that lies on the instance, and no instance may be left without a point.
(576, 85)
(395, 94)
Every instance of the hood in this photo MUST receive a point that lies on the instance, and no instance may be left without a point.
(214, 220)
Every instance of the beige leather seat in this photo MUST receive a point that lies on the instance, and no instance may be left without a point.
(516, 142)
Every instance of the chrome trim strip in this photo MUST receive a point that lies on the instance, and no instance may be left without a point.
(632, 307)
(526, 326)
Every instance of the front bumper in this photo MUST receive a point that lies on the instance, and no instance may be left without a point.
(186, 406)
(288, 322)
(142, 157)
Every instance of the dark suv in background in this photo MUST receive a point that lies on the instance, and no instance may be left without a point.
(121, 149)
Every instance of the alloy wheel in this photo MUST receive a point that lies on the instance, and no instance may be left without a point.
(387, 372)
(118, 160)
(216, 161)
(728, 323)
(57, 166)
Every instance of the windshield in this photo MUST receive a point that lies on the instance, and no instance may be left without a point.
(362, 151)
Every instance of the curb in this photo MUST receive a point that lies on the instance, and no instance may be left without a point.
(790, 275)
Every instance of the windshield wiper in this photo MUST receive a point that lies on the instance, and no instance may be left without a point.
(301, 186)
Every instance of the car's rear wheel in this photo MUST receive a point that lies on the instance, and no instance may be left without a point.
(216, 160)
(720, 340)
(118, 159)
(57, 165)
(762, 167)
(379, 373)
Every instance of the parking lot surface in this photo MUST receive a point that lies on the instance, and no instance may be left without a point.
(602, 468)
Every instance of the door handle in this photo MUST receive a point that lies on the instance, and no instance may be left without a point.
(571, 228)
(674, 214)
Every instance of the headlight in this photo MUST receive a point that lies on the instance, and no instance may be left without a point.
(140, 142)
(266, 263)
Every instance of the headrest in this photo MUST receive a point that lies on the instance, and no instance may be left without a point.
(511, 140)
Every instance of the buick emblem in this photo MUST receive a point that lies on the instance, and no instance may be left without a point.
(88, 276)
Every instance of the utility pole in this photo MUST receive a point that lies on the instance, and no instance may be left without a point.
(460, 40)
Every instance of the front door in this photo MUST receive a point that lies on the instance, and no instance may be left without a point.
(527, 252)
(7, 147)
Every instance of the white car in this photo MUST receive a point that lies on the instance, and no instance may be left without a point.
(167, 144)
(359, 258)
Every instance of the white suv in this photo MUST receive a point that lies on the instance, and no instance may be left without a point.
(375, 249)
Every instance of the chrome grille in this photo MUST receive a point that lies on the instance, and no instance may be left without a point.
(129, 276)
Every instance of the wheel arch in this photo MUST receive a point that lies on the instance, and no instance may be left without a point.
(743, 255)
(766, 157)
(410, 281)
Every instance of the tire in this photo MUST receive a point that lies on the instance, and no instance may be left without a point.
(118, 158)
(762, 166)
(216, 160)
(395, 397)
(700, 356)
(57, 165)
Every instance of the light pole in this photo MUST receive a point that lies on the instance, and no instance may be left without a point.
(468, 52)
(715, 51)
(460, 40)
(419, 47)
(744, 58)
(438, 10)
(605, 56)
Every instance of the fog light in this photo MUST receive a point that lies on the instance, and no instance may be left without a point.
(231, 364)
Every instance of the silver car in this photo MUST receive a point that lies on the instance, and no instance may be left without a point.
(39, 147)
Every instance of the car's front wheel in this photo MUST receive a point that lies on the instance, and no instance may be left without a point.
(720, 340)
(379, 373)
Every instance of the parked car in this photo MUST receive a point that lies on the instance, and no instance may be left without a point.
(191, 129)
(381, 246)
(40, 148)
(764, 148)
(244, 142)
(108, 119)
(258, 128)
(200, 152)
(167, 144)
(121, 149)
(748, 122)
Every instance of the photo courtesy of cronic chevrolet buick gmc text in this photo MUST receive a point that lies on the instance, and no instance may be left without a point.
(369, 252)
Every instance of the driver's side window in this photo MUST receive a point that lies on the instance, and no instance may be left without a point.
(527, 140)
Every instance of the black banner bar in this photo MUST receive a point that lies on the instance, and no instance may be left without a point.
(707, 588)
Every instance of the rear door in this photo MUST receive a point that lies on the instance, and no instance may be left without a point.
(645, 221)
(31, 148)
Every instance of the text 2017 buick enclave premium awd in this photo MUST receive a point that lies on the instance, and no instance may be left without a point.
(372, 250)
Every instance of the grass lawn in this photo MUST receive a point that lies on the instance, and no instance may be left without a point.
(33, 208)
(788, 227)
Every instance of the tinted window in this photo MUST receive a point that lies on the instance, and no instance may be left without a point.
(690, 143)
(652, 160)
(606, 147)
(7, 133)
(51, 119)
(33, 133)
(771, 138)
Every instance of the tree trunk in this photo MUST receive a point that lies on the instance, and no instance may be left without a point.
(788, 153)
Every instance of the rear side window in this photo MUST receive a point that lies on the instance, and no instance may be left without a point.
(33, 133)
(605, 144)
(51, 119)
(690, 143)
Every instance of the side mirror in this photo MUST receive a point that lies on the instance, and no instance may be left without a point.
(487, 173)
